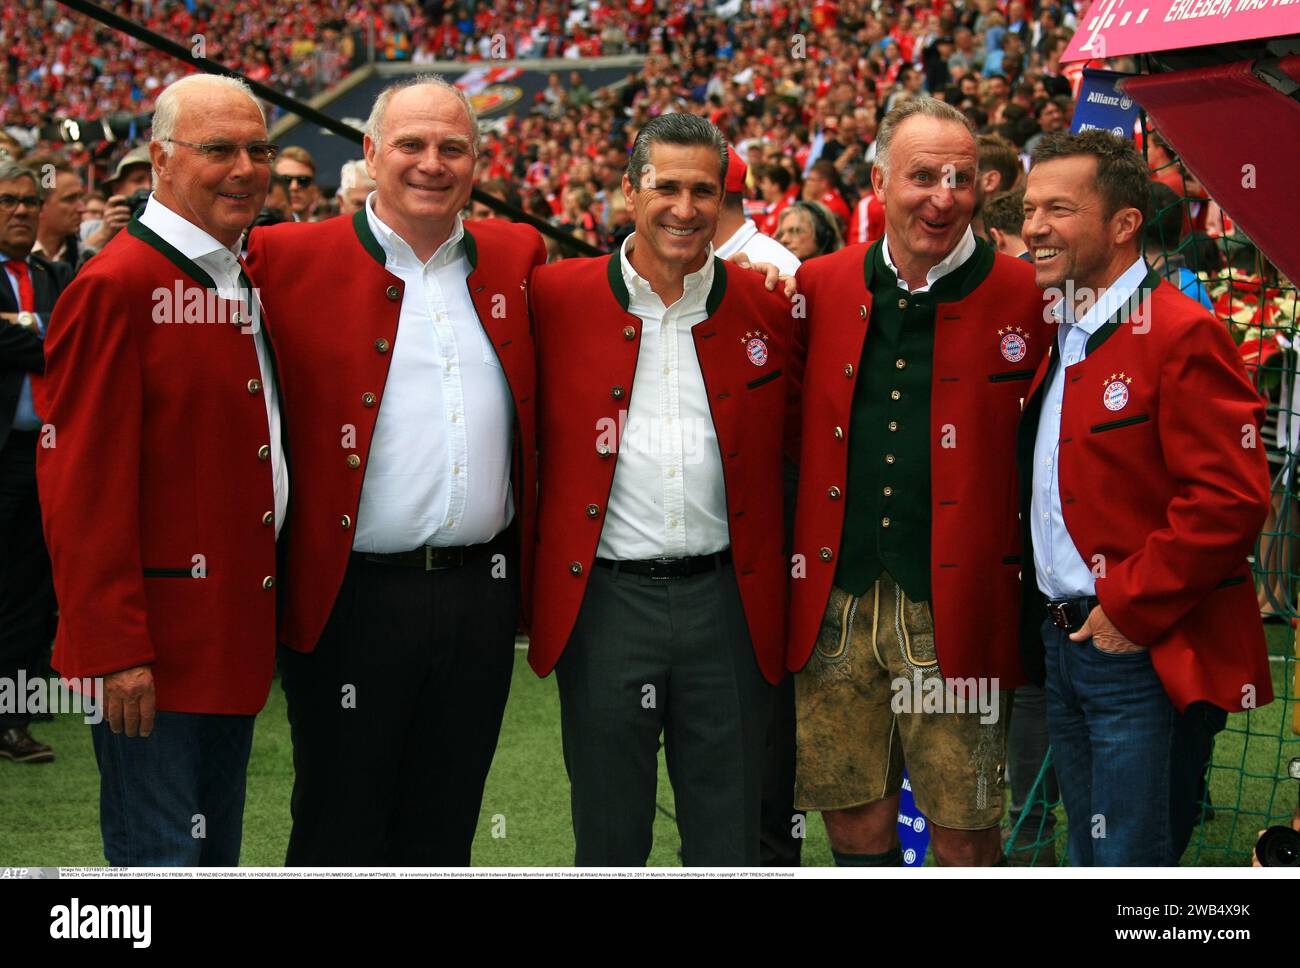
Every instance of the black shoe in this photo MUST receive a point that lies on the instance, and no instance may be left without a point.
(17, 744)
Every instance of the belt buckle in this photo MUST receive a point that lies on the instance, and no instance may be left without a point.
(1059, 614)
(657, 563)
(428, 558)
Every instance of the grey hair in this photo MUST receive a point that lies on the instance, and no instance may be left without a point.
(374, 124)
(353, 174)
(687, 130)
(925, 106)
(167, 108)
(11, 171)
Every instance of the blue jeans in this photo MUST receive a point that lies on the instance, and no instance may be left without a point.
(1129, 765)
(175, 798)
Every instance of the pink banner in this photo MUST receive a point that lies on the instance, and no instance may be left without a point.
(1111, 28)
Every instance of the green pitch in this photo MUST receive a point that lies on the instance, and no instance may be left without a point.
(49, 813)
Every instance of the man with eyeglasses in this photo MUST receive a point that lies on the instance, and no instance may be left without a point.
(409, 383)
(164, 486)
(297, 165)
(27, 295)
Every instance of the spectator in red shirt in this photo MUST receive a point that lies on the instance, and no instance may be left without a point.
(778, 191)
(823, 185)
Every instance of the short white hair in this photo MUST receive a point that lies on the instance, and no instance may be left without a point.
(167, 108)
(374, 123)
(353, 175)
(924, 106)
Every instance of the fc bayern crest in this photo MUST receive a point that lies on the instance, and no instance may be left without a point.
(1013, 344)
(756, 347)
(1116, 394)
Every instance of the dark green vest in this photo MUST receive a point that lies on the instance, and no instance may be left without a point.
(887, 494)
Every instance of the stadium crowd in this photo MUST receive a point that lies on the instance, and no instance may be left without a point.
(800, 78)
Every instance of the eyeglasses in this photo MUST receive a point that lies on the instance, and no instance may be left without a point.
(224, 152)
(300, 181)
(10, 202)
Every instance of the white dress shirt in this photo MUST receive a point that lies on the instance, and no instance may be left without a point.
(963, 250)
(1061, 570)
(222, 264)
(439, 466)
(759, 247)
(668, 499)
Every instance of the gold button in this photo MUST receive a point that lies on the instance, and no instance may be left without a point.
(825, 554)
(889, 491)
(862, 312)
(575, 567)
(902, 304)
(899, 364)
(393, 293)
(381, 345)
(848, 369)
(345, 522)
(354, 461)
(602, 450)
(889, 458)
(629, 332)
(884, 522)
(833, 492)
(894, 395)
(893, 425)
(839, 433)
(268, 582)
(593, 510)
(368, 399)
(264, 452)
(616, 392)
(268, 518)
(254, 386)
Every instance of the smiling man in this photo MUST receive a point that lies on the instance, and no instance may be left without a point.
(409, 380)
(1145, 486)
(660, 589)
(913, 358)
(296, 166)
(163, 487)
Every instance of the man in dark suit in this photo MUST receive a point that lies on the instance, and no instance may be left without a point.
(30, 287)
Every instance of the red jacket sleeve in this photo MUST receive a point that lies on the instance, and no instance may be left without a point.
(89, 479)
(1209, 420)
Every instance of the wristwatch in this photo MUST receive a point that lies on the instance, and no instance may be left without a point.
(29, 321)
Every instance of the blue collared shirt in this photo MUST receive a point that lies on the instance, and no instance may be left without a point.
(25, 417)
(1061, 570)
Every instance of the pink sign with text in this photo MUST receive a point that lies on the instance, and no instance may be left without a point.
(1111, 28)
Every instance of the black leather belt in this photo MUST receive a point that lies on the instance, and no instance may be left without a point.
(666, 568)
(426, 558)
(1069, 614)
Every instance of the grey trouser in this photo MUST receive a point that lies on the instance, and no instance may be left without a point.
(650, 656)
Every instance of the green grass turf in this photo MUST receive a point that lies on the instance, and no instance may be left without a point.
(49, 813)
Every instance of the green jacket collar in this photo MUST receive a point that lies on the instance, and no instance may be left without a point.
(619, 287)
(361, 225)
(953, 287)
(151, 238)
(1130, 306)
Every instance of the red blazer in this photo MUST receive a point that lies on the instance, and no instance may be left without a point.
(587, 344)
(976, 394)
(1170, 486)
(156, 461)
(334, 309)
